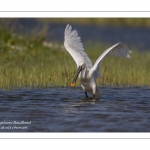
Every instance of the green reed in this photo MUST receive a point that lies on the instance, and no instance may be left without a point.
(34, 63)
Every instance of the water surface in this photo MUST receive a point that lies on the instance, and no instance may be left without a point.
(67, 110)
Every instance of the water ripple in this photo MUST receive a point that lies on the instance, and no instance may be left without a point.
(67, 110)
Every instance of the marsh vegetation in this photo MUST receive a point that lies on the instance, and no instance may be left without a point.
(29, 61)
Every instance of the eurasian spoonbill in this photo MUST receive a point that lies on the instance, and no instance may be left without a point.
(87, 72)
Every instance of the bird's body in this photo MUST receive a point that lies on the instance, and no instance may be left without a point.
(87, 72)
(88, 83)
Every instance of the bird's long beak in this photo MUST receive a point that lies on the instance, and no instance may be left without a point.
(73, 83)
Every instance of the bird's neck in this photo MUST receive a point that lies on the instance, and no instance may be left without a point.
(83, 74)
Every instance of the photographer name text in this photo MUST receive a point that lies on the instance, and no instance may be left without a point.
(14, 125)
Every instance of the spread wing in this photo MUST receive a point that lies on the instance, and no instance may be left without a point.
(74, 46)
(118, 50)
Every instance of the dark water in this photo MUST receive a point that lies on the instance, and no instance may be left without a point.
(67, 110)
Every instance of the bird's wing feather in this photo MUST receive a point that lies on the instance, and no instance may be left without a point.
(118, 50)
(74, 46)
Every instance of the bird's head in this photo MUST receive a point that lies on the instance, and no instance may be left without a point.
(81, 66)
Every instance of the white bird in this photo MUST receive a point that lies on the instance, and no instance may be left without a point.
(87, 72)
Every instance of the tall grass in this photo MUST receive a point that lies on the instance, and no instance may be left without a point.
(35, 63)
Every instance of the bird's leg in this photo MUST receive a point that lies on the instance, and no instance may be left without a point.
(94, 90)
(86, 94)
(93, 96)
